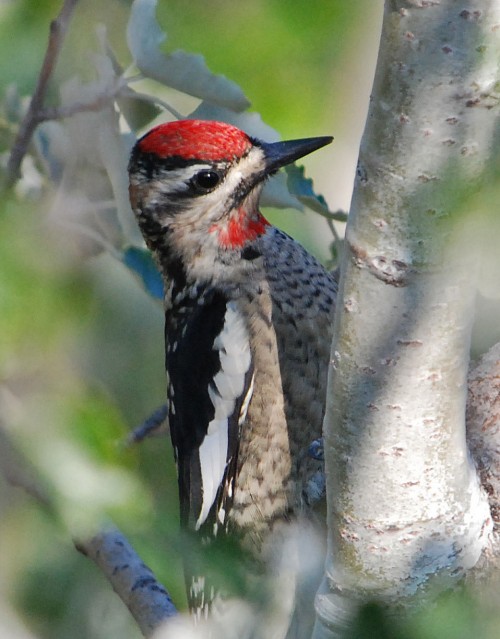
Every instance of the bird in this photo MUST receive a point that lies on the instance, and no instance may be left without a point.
(248, 327)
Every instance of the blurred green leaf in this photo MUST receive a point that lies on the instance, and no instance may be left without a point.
(39, 291)
(180, 70)
(302, 188)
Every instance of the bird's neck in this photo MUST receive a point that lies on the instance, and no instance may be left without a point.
(239, 228)
(224, 252)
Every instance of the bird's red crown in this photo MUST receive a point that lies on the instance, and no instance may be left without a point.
(196, 139)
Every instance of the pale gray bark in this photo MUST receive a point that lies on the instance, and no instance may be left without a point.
(147, 599)
(404, 499)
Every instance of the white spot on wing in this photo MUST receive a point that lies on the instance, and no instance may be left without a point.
(246, 402)
(197, 593)
(228, 385)
(221, 515)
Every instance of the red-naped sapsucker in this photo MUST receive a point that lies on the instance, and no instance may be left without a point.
(248, 330)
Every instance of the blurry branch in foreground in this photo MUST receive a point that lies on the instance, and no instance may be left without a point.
(153, 426)
(146, 598)
(149, 602)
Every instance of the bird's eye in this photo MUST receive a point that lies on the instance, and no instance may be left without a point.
(206, 180)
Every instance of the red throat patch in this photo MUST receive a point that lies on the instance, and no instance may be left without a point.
(240, 229)
(196, 140)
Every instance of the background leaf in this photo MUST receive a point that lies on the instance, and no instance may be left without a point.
(140, 262)
(302, 188)
(183, 71)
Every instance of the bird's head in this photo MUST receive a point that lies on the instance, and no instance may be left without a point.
(201, 180)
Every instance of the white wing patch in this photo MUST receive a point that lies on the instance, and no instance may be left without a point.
(228, 384)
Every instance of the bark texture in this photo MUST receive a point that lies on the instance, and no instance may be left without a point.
(405, 501)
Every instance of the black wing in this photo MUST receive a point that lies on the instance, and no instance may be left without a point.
(209, 364)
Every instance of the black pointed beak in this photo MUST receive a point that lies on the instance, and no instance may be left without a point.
(278, 154)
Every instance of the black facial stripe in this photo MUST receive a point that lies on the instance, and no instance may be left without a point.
(244, 188)
(150, 164)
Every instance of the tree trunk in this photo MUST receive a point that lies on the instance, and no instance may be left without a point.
(404, 499)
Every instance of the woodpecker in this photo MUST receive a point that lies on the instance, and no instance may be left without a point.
(248, 322)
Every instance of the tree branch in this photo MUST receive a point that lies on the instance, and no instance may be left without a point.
(58, 29)
(405, 503)
(154, 425)
(147, 599)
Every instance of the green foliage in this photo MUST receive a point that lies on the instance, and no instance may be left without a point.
(281, 52)
(64, 434)
(81, 344)
(27, 308)
(179, 70)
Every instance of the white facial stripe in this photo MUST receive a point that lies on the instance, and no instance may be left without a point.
(177, 180)
(247, 167)
(235, 359)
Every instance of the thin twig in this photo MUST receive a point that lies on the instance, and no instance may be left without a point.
(155, 424)
(58, 29)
